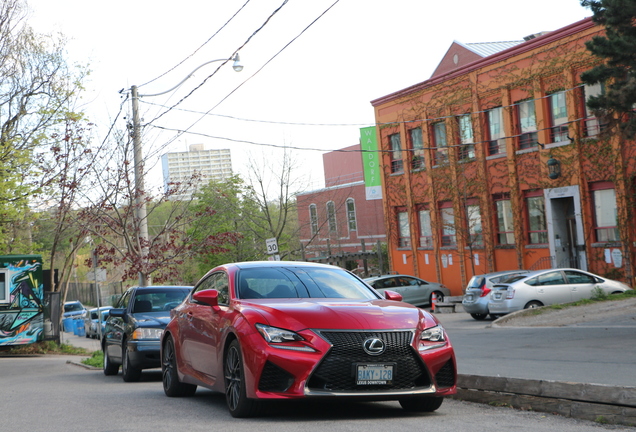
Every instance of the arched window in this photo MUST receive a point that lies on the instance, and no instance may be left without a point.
(331, 216)
(351, 214)
(313, 219)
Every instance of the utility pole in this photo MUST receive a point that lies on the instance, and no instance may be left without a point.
(140, 194)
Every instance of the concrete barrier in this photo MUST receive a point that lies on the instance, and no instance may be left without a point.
(600, 403)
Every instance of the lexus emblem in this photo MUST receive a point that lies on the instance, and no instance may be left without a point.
(373, 346)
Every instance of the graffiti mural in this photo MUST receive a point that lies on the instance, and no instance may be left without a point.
(21, 303)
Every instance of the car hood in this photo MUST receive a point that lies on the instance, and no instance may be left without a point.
(152, 319)
(300, 314)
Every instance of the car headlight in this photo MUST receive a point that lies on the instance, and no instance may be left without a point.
(431, 338)
(147, 333)
(275, 336)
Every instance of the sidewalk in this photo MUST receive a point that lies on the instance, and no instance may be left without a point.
(80, 341)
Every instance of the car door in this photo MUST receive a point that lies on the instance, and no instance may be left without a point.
(202, 333)
(552, 288)
(116, 328)
(393, 284)
(415, 291)
(581, 284)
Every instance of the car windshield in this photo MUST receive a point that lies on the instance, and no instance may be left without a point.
(301, 282)
(72, 307)
(511, 279)
(158, 300)
(476, 282)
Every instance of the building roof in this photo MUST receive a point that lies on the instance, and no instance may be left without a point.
(484, 49)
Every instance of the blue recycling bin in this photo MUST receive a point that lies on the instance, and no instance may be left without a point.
(69, 325)
(81, 330)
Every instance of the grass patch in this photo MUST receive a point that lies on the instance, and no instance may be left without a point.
(45, 347)
(95, 360)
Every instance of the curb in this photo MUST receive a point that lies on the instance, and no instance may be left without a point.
(593, 402)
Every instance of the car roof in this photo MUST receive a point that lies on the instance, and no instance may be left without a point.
(389, 276)
(144, 288)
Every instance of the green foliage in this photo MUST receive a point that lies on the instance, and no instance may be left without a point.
(618, 72)
(599, 294)
(45, 347)
(95, 360)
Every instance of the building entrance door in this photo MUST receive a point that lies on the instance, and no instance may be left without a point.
(565, 227)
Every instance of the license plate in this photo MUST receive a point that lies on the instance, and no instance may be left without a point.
(374, 374)
(497, 296)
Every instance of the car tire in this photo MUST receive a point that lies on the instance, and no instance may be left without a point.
(238, 403)
(421, 404)
(439, 297)
(110, 368)
(495, 316)
(172, 387)
(533, 304)
(479, 316)
(128, 372)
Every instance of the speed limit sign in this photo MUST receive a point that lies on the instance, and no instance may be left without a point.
(272, 246)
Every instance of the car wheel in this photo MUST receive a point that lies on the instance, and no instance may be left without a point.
(495, 316)
(533, 304)
(235, 395)
(129, 373)
(439, 297)
(110, 368)
(171, 385)
(421, 404)
(478, 316)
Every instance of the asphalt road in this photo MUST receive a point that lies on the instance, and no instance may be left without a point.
(597, 352)
(47, 394)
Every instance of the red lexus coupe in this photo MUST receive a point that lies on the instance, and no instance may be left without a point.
(288, 330)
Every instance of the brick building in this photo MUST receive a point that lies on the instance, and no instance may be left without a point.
(338, 225)
(495, 163)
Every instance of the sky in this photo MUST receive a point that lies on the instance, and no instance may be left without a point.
(311, 68)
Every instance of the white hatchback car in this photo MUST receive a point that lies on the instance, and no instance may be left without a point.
(546, 287)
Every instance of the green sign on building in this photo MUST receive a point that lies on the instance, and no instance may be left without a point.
(371, 163)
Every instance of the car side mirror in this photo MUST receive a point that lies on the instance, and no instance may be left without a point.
(117, 313)
(208, 297)
(392, 295)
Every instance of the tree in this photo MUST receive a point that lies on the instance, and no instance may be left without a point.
(37, 91)
(618, 72)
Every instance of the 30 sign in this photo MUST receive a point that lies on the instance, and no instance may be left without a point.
(272, 246)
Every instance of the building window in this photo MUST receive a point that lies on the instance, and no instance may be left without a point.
(404, 233)
(441, 144)
(351, 214)
(537, 225)
(558, 117)
(473, 220)
(526, 124)
(593, 125)
(466, 140)
(447, 216)
(426, 230)
(313, 219)
(417, 148)
(505, 226)
(605, 214)
(497, 142)
(397, 165)
(331, 216)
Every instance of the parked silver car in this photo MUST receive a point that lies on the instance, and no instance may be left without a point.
(414, 290)
(546, 287)
(477, 294)
(91, 321)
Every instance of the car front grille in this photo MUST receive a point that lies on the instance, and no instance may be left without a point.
(337, 372)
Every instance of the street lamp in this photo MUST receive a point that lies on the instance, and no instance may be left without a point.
(142, 234)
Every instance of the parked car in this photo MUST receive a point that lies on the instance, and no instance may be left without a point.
(546, 287)
(91, 321)
(477, 294)
(74, 309)
(134, 326)
(289, 330)
(413, 290)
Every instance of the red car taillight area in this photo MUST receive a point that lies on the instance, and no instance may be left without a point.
(484, 292)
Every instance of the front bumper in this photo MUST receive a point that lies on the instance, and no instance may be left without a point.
(330, 370)
(144, 354)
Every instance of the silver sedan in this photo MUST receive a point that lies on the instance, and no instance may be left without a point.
(546, 287)
(413, 290)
